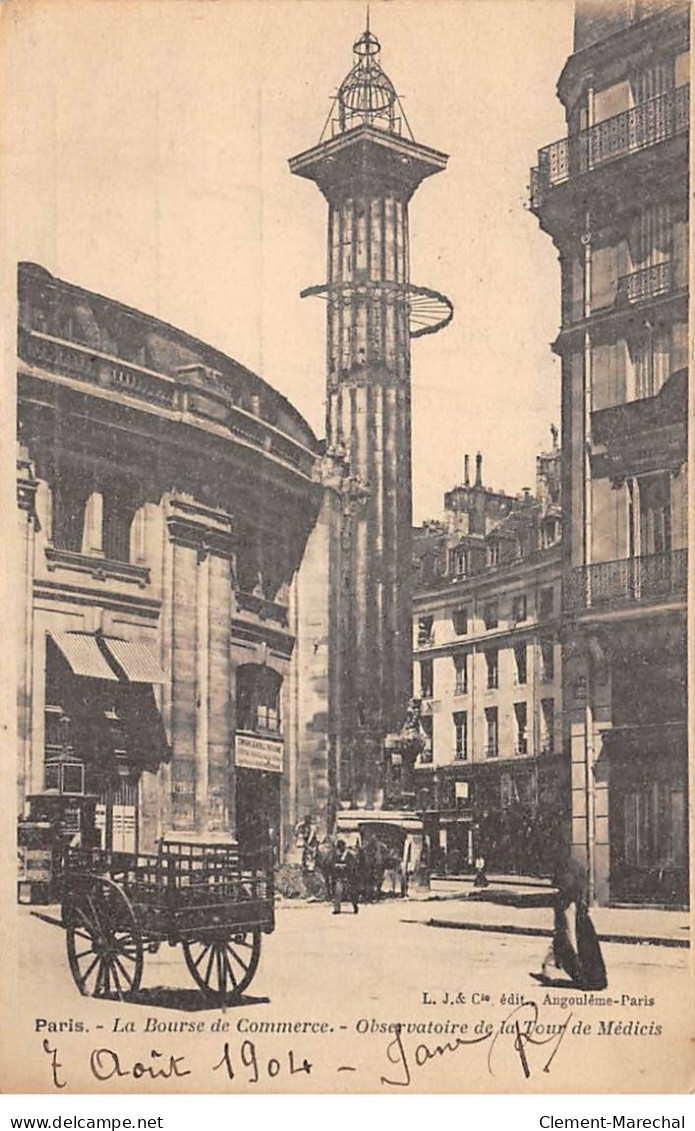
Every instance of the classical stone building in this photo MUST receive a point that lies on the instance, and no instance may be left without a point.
(493, 777)
(613, 196)
(165, 496)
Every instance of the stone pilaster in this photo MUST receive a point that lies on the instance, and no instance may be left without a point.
(27, 486)
(202, 767)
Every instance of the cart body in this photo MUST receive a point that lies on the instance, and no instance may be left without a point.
(203, 896)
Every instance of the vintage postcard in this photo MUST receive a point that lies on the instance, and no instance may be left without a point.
(346, 401)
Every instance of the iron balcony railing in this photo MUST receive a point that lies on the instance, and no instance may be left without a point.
(648, 282)
(644, 125)
(627, 581)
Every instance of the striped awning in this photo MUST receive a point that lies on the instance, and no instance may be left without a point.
(83, 655)
(137, 662)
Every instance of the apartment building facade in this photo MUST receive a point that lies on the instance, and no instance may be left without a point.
(613, 196)
(488, 674)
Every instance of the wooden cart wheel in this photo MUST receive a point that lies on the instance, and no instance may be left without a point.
(103, 941)
(224, 967)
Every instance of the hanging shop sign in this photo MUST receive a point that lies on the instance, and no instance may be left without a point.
(253, 753)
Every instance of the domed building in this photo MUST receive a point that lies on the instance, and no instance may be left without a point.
(165, 496)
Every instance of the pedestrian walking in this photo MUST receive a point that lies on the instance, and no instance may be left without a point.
(480, 880)
(575, 948)
(344, 878)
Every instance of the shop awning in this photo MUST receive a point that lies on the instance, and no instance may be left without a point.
(147, 739)
(137, 661)
(83, 655)
(350, 820)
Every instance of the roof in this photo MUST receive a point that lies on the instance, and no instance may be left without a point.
(172, 349)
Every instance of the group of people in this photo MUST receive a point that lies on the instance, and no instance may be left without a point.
(356, 874)
(352, 874)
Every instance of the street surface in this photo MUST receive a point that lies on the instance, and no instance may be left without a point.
(353, 974)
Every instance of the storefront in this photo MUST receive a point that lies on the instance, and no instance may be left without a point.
(647, 780)
(103, 730)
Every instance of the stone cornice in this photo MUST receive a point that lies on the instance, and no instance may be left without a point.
(202, 528)
(100, 569)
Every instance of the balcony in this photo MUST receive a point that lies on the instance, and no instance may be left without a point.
(622, 422)
(628, 581)
(645, 125)
(648, 283)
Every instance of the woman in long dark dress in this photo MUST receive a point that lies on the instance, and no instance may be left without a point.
(576, 948)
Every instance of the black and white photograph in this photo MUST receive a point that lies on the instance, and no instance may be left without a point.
(346, 563)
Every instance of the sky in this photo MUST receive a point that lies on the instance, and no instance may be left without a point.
(145, 150)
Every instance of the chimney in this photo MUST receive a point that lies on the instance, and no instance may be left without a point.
(479, 470)
(466, 471)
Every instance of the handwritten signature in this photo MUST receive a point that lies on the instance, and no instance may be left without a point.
(523, 1026)
(521, 1034)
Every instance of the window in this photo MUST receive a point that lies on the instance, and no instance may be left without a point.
(520, 713)
(650, 242)
(258, 698)
(519, 608)
(493, 554)
(460, 621)
(651, 363)
(461, 732)
(117, 521)
(520, 661)
(426, 724)
(461, 675)
(69, 503)
(655, 513)
(546, 603)
(458, 563)
(492, 669)
(547, 725)
(547, 659)
(490, 614)
(425, 631)
(650, 82)
(491, 732)
(427, 679)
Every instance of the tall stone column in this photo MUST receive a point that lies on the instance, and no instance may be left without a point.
(368, 171)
